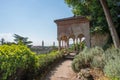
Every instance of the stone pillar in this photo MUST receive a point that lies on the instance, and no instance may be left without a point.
(80, 43)
(59, 43)
(62, 43)
(67, 43)
(74, 44)
(77, 44)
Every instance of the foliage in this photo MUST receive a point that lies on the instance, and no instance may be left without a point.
(108, 61)
(97, 55)
(22, 40)
(115, 78)
(88, 58)
(46, 61)
(80, 46)
(94, 12)
(15, 57)
(2, 41)
(72, 47)
(112, 59)
(17, 62)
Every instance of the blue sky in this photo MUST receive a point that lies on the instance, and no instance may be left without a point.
(32, 18)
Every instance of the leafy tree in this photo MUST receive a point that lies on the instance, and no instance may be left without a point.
(2, 41)
(22, 40)
(93, 10)
(9, 43)
(6, 42)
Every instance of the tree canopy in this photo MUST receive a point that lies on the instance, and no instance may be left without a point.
(2, 41)
(101, 13)
(92, 9)
(22, 40)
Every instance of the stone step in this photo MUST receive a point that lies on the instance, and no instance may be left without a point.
(70, 56)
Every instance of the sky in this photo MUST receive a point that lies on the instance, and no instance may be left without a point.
(32, 18)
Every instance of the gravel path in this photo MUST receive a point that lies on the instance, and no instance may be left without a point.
(62, 71)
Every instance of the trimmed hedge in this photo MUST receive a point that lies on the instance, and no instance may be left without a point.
(17, 62)
(46, 61)
(16, 59)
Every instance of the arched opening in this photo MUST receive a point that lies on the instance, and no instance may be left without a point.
(71, 42)
(63, 41)
(81, 42)
(74, 26)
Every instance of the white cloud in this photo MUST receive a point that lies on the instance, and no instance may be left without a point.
(7, 36)
(36, 40)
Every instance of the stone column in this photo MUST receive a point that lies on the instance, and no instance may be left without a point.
(59, 44)
(67, 43)
(80, 43)
(76, 44)
(62, 43)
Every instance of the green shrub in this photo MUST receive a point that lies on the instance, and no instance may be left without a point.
(17, 62)
(108, 61)
(112, 66)
(97, 56)
(88, 58)
(115, 78)
(81, 60)
(112, 53)
(14, 59)
(46, 61)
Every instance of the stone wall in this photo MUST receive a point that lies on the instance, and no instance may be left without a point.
(99, 39)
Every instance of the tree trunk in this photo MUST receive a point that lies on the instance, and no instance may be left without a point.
(110, 24)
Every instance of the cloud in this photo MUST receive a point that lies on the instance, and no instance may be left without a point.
(36, 40)
(7, 36)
